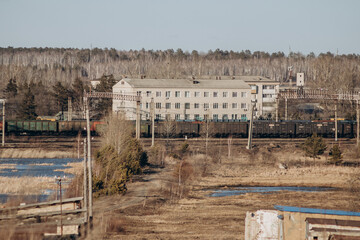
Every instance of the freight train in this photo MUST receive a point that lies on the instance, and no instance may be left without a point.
(163, 129)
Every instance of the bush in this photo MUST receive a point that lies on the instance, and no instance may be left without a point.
(335, 155)
(116, 169)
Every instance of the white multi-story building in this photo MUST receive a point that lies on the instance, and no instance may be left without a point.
(179, 99)
(263, 92)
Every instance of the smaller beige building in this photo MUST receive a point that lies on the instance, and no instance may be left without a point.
(186, 99)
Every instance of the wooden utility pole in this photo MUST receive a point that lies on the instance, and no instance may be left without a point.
(152, 109)
(336, 125)
(69, 109)
(249, 146)
(138, 120)
(357, 123)
(85, 184)
(3, 121)
(89, 158)
(277, 110)
(286, 109)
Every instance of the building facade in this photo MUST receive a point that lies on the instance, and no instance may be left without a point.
(263, 92)
(184, 99)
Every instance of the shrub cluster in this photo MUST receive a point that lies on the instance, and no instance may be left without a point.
(115, 169)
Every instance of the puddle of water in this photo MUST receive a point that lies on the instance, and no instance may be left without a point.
(36, 167)
(264, 190)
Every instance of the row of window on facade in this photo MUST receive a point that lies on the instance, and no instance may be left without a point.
(188, 94)
(199, 117)
(158, 105)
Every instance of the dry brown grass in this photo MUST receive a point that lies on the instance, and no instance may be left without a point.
(33, 153)
(26, 185)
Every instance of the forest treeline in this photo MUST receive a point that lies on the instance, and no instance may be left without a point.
(56, 68)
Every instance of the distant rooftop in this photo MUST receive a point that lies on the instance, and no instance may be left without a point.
(186, 83)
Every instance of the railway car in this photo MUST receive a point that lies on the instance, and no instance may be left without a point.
(31, 127)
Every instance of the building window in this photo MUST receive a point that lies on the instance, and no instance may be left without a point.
(177, 105)
(215, 116)
(187, 105)
(148, 93)
(215, 105)
(206, 94)
(268, 86)
(168, 105)
(196, 105)
(187, 116)
(177, 94)
(234, 105)
(158, 105)
(197, 94)
(158, 116)
(243, 94)
(243, 117)
(267, 95)
(233, 116)
(234, 94)
(225, 105)
(138, 93)
(196, 117)
(225, 94)
(147, 105)
(206, 106)
(167, 117)
(215, 94)
(225, 117)
(187, 94)
(158, 94)
(243, 105)
(206, 117)
(168, 94)
(177, 116)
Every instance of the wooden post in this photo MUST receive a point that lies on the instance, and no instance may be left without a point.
(138, 120)
(286, 109)
(85, 184)
(277, 110)
(89, 158)
(249, 146)
(69, 118)
(3, 122)
(152, 109)
(357, 123)
(336, 125)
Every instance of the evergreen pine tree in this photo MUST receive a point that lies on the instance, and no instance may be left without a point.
(314, 146)
(27, 108)
(335, 155)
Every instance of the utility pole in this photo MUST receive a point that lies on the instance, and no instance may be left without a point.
(286, 109)
(58, 179)
(249, 146)
(138, 119)
(152, 109)
(277, 110)
(89, 158)
(357, 123)
(85, 184)
(69, 109)
(336, 125)
(3, 121)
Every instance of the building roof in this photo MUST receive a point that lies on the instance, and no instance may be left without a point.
(315, 211)
(257, 79)
(186, 83)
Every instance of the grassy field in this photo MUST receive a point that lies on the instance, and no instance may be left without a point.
(153, 208)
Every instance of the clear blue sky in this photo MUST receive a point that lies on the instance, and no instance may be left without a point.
(264, 25)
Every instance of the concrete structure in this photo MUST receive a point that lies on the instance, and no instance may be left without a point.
(295, 223)
(179, 99)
